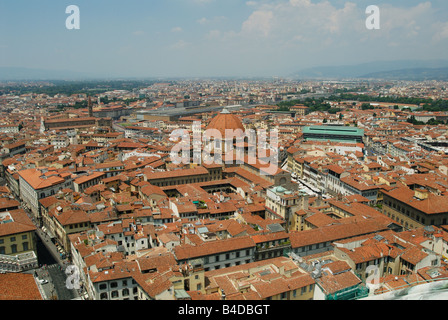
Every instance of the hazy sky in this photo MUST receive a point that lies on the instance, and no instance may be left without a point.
(217, 37)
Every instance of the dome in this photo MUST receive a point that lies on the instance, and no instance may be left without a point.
(225, 120)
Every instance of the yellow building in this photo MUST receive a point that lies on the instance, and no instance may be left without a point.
(190, 277)
(17, 238)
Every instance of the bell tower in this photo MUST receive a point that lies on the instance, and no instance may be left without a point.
(89, 105)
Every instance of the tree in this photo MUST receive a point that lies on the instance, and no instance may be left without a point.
(366, 106)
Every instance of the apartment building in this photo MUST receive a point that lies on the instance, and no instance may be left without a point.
(334, 183)
(39, 183)
(273, 279)
(183, 176)
(314, 241)
(11, 149)
(86, 181)
(415, 208)
(384, 254)
(218, 254)
(271, 245)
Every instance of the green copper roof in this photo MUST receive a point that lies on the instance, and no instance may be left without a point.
(333, 130)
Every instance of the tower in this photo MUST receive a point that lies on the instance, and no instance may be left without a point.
(42, 125)
(89, 105)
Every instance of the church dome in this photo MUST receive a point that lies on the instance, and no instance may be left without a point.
(225, 120)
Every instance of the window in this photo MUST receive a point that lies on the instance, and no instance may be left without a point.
(114, 294)
(2, 250)
(103, 286)
(24, 237)
(125, 292)
(113, 284)
(25, 246)
(103, 296)
(12, 239)
(14, 248)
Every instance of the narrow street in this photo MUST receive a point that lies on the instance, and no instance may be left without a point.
(51, 267)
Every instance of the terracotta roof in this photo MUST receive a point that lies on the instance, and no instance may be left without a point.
(38, 180)
(226, 120)
(19, 286)
(19, 222)
(334, 232)
(432, 205)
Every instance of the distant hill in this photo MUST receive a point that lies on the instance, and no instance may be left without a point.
(416, 74)
(18, 73)
(377, 69)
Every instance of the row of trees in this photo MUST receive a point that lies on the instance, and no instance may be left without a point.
(431, 122)
(426, 104)
(313, 104)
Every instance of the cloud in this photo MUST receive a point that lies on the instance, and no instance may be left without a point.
(181, 44)
(202, 1)
(138, 33)
(217, 19)
(441, 33)
(176, 29)
(259, 23)
(203, 21)
(213, 34)
(402, 22)
(319, 22)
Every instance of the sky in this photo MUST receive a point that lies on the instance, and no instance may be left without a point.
(211, 38)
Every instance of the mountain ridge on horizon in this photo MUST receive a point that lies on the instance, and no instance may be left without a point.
(372, 69)
(389, 70)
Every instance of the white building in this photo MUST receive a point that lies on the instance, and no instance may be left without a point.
(36, 184)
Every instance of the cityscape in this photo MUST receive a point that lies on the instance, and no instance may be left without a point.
(318, 183)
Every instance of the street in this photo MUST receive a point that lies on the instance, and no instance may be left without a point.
(51, 267)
